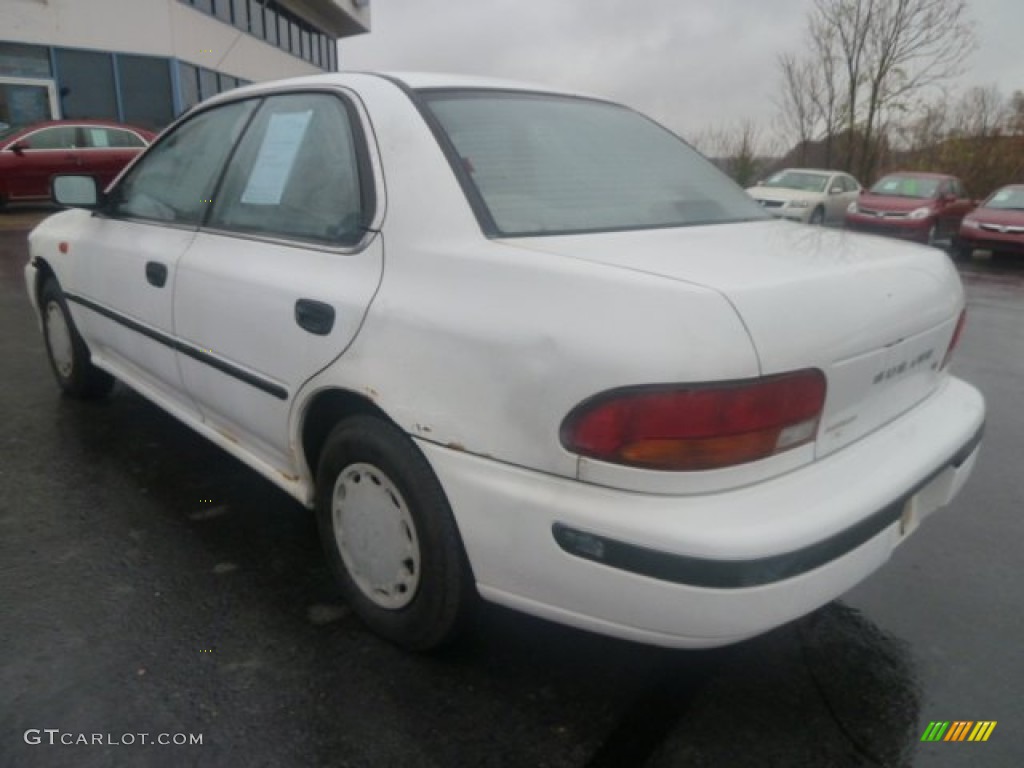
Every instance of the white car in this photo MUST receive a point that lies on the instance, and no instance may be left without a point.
(807, 195)
(518, 344)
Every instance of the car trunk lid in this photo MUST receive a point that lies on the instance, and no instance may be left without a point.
(875, 315)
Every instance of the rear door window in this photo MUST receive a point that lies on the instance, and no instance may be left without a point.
(111, 138)
(297, 173)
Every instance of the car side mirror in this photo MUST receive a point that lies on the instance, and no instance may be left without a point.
(76, 191)
(19, 148)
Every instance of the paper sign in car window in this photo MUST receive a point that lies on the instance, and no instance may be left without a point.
(1002, 197)
(276, 158)
(98, 137)
(891, 185)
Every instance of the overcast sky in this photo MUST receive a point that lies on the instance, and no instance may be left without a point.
(692, 64)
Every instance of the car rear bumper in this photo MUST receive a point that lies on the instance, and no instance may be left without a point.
(906, 229)
(707, 570)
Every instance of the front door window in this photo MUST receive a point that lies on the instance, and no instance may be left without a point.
(174, 182)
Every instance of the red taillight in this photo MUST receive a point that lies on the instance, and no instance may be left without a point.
(957, 332)
(684, 427)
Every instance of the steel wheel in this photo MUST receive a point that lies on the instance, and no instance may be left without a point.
(390, 536)
(58, 339)
(69, 357)
(376, 536)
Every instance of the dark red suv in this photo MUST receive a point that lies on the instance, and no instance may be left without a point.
(926, 207)
(32, 155)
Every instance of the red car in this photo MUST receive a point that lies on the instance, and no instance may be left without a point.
(926, 207)
(997, 225)
(32, 155)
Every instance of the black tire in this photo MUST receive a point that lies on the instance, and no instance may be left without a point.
(817, 217)
(68, 355)
(432, 612)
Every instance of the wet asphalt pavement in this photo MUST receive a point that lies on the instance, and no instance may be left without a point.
(150, 584)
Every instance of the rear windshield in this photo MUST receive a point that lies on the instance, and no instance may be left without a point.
(1007, 198)
(534, 164)
(906, 186)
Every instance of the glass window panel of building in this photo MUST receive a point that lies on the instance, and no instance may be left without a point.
(208, 84)
(270, 26)
(86, 84)
(256, 18)
(145, 90)
(240, 13)
(188, 83)
(284, 32)
(19, 60)
(222, 10)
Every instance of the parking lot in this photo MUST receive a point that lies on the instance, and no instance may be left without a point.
(150, 584)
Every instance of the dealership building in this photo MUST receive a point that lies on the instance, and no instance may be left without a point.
(145, 62)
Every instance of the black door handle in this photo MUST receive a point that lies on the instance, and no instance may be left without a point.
(314, 316)
(156, 273)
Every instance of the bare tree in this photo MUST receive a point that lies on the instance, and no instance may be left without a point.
(911, 46)
(1016, 126)
(828, 95)
(971, 136)
(740, 150)
(811, 99)
(872, 60)
(798, 106)
(849, 23)
(982, 113)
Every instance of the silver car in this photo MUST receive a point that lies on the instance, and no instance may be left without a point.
(806, 195)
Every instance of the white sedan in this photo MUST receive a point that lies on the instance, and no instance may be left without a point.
(518, 344)
(806, 195)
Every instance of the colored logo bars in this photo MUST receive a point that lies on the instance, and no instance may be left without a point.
(959, 730)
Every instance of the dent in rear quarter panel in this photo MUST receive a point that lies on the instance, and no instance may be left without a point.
(504, 343)
(479, 344)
